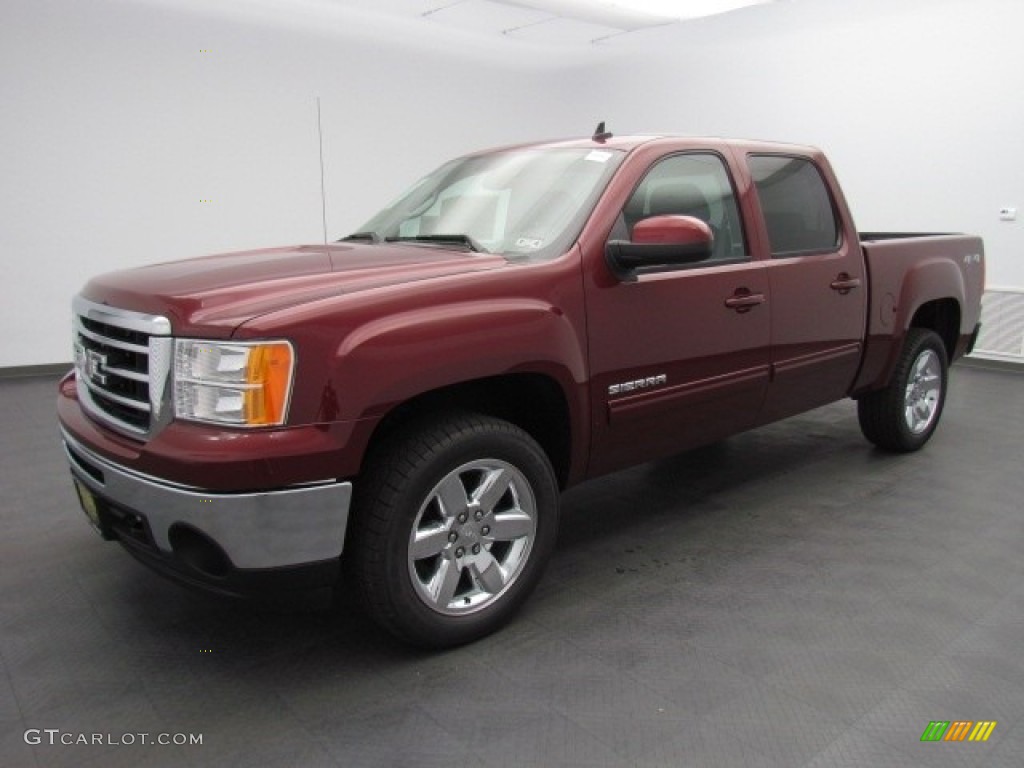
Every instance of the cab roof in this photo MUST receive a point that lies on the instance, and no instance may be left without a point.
(631, 142)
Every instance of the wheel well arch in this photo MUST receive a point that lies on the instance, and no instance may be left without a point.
(534, 402)
(943, 317)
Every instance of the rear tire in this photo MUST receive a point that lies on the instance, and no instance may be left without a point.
(452, 527)
(903, 416)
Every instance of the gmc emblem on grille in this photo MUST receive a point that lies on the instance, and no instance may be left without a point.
(94, 363)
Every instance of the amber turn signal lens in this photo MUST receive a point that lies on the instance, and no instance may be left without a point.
(269, 372)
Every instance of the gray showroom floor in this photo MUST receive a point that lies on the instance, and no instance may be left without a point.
(790, 597)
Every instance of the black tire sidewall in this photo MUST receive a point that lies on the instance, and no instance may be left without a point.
(474, 438)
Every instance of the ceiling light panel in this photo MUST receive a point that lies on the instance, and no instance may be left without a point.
(677, 9)
(396, 7)
(559, 31)
(552, 22)
(595, 12)
(634, 14)
(486, 15)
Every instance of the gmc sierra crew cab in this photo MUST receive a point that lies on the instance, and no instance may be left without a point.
(399, 411)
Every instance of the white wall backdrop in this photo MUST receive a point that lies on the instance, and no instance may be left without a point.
(116, 126)
(918, 103)
(117, 123)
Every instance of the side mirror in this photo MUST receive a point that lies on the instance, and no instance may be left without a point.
(661, 241)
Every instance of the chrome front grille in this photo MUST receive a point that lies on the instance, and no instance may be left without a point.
(122, 362)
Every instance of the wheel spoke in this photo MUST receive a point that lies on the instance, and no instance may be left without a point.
(489, 577)
(913, 420)
(493, 486)
(506, 526)
(451, 496)
(429, 542)
(442, 586)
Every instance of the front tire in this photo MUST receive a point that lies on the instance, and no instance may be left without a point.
(903, 416)
(453, 525)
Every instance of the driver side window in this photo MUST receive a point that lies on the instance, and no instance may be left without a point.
(695, 185)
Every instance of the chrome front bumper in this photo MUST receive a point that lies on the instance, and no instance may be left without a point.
(288, 527)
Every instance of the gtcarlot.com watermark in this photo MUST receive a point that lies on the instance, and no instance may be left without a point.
(55, 737)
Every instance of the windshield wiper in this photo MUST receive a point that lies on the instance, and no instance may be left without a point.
(361, 237)
(463, 240)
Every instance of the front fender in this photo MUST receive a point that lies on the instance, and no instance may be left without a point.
(363, 353)
(424, 349)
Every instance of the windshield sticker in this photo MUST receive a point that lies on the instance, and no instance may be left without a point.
(597, 156)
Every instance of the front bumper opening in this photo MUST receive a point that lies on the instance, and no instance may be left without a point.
(198, 551)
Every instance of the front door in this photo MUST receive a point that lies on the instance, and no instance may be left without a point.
(678, 357)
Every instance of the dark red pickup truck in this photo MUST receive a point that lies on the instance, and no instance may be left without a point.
(405, 405)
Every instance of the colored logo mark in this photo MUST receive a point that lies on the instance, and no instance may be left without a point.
(958, 730)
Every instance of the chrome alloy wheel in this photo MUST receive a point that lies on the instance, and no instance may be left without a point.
(472, 537)
(924, 392)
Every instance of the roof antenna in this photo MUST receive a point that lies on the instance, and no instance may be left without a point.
(600, 134)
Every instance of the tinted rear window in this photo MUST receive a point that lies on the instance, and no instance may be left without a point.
(796, 205)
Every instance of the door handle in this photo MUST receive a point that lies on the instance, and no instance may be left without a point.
(845, 283)
(744, 301)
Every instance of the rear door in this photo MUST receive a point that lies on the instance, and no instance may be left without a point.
(678, 357)
(818, 286)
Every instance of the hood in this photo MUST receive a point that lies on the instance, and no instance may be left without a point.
(219, 293)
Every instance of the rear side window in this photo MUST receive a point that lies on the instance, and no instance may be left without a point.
(796, 205)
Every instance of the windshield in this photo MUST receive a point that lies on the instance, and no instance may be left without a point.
(528, 203)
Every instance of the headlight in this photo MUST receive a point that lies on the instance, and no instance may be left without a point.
(244, 384)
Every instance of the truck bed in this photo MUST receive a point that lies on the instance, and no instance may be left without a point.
(904, 264)
(876, 236)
